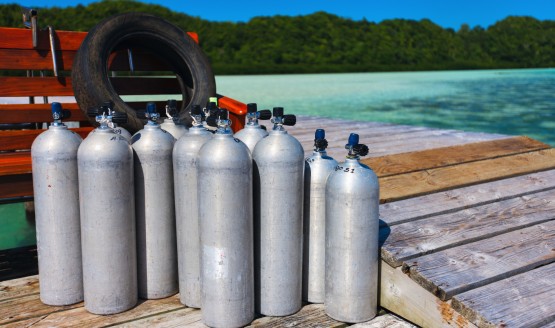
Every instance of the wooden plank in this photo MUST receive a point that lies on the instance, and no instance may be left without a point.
(450, 201)
(23, 113)
(525, 300)
(183, 317)
(409, 240)
(61, 86)
(387, 320)
(17, 185)
(404, 297)
(427, 159)
(15, 163)
(10, 289)
(20, 59)
(312, 315)
(460, 269)
(19, 38)
(76, 315)
(413, 184)
(23, 139)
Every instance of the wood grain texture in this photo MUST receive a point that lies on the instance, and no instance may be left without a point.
(312, 315)
(77, 316)
(459, 269)
(404, 297)
(385, 321)
(427, 159)
(17, 185)
(184, 317)
(413, 239)
(23, 139)
(19, 287)
(450, 201)
(15, 163)
(525, 300)
(21, 308)
(23, 113)
(19, 38)
(413, 184)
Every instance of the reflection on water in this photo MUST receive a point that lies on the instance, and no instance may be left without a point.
(514, 102)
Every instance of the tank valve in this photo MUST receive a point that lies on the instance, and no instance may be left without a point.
(171, 109)
(220, 120)
(356, 150)
(280, 119)
(253, 114)
(58, 114)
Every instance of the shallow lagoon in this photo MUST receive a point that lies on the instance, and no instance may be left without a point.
(514, 102)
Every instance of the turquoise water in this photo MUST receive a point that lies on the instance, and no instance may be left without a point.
(513, 102)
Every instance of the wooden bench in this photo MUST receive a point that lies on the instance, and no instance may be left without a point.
(30, 78)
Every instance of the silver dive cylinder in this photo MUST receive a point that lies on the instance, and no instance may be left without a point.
(226, 228)
(108, 238)
(253, 132)
(278, 207)
(154, 209)
(352, 228)
(316, 171)
(172, 123)
(185, 168)
(107, 109)
(56, 195)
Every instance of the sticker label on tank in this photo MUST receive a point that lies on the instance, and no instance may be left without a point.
(345, 169)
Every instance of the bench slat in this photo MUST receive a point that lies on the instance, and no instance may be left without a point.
(61, 86)
(23, 139)
(24, 113)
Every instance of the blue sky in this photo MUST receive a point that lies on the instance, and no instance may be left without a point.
(447, 13)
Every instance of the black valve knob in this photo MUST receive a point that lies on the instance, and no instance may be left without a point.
(119, 118)
(212, 121)
(264, 114)
(196, 110)
(251, 108)
(278, 111)
(360, 149)
(289, 120)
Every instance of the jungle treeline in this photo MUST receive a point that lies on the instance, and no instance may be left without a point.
(323, 42)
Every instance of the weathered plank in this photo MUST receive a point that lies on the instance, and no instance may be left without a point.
(18, 287)
(23, 139)
(450, 201)
(77, 316)
(21, 308)
(385, 321)
(18, 113)
(413, 184)
(525, 300)
(459, 269)
(404, 297)
(413, 239)
(312, 315)
(17, 185)
(15, 163)
(185, 317)
(427, 159)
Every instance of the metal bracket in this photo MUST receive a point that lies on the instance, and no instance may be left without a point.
(30, 20)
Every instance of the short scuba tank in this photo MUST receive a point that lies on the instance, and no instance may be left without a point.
(253, 132)
(172, 123)
(352, 228)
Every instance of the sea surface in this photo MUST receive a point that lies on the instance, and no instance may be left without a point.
(513, 102)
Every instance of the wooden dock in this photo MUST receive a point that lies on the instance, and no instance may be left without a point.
(467, 236)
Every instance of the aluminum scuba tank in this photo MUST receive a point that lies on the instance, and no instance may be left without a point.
(154, 209)
(226, 229)
(172, 123)
(185, 155)
(108, 241)
(56, 192)
(278, 200)
(352, 228)
(252, 133)
(108, 111)
(317, 169)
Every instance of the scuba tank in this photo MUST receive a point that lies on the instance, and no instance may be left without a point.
(56, 192)
(226, 228)
(172, 123)
(252, 133)
(278, 201)
(185, 155)
(107, 202)
(352, 225)
(108, 111)
(154, 209)
(317, 169)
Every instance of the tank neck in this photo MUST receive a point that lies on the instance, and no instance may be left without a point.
(153, 126)
(319, 153)
(353, 161)
(276, 132)
(57, 127)
(104, 129)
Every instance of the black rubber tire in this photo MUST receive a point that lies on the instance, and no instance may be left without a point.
(90, 76)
